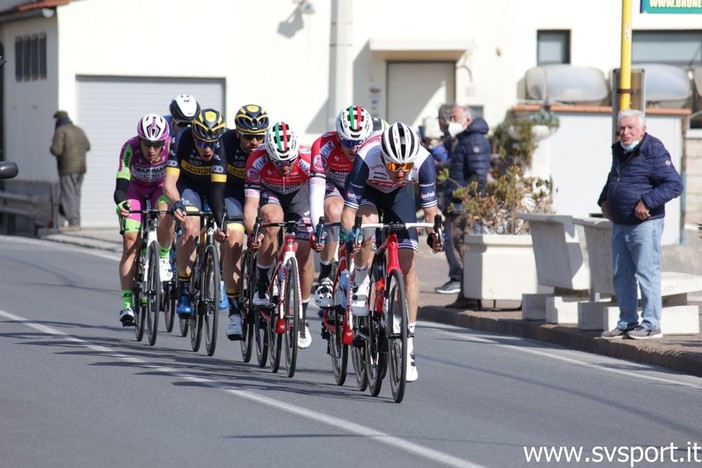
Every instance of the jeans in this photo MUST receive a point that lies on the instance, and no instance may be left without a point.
(636, 254)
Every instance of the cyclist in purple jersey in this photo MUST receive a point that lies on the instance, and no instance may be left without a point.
(142, 168)
(384, 172)
(251, 123)
(195, 167)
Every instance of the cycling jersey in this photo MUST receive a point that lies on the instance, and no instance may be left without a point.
(369, 170)
(262, 174)
(139, 179)
(329, 161)
(236, 158)
(196, 175)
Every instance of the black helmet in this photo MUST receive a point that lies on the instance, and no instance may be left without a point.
(251, 119)
(208, 125)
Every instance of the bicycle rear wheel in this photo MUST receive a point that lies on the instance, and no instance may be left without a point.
(260, 337)
(397, 325)
(293, 314)
(168, 303)
(153, 292)
(210, 297)
(338, 351)
(184, 324)
(358, 359)
(275, 339)
(245, 299)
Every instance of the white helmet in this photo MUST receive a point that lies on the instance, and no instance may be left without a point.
(184, 108)
(354, 123)
(153, 127)
(399, 144)
(281, 143)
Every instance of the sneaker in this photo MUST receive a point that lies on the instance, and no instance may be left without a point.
(126, 316)
(614, 334)
(641, 333)
(412, 373)
(304, 340)
(323, 293)
(234, 331)
(223, 301)
(450, 287)
(165, 267)
(261, 299)
(184, 308)
(359, 298)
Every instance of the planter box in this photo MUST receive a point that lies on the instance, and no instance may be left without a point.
(500, 267)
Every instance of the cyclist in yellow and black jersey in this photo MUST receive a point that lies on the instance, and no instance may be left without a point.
(195, 179)
(251, 123)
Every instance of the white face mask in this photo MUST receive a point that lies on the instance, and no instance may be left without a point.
(630, 147)
(454, 128)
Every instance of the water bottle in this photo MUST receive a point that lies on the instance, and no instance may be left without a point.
(343, 288)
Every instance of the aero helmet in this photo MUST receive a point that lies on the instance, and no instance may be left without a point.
(208, 125)
(251, 119)
(281, 143)
(399, 144)
(153, 127)
(354, 123)
(184, 108)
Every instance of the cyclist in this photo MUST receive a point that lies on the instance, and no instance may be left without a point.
(251, 123)
(277, 189)
(183, 109)
(387, 166)
(142, 165)
(332, 159)
(195, 168)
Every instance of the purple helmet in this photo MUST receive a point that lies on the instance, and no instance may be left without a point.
(153, 127)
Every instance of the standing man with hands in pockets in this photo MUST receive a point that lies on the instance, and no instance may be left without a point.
(641, 181)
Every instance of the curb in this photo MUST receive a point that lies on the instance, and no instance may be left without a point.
(646, 352)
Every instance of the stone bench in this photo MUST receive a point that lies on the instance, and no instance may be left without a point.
(601, 312)
(560, 264)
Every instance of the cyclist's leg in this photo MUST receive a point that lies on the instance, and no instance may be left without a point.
(165, 233)
(333, 204)
(270, 211)
(130, 247)
(185, 249)
(363, 258)
(231, 267)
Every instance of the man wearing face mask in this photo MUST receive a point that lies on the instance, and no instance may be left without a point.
(641, 181)
(469, 160)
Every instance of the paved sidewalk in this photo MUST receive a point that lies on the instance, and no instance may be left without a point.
(682, 353)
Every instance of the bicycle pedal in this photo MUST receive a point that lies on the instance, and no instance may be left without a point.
(325, 333)
(358, 341)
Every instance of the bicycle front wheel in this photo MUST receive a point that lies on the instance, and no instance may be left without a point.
(153, 292)
(292, 314)
(168, 302)
(358, 359)
(210, 297)
(338, 351)
(275, 336)
(376, 344)
(398, 325)
(245, 299)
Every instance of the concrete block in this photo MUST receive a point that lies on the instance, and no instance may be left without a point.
(591, 314)
(562, 309)
(534, 306)
(680, 320)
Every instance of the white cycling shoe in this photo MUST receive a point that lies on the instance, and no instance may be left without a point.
(323, 293)
(165, 269)
(359, 298)
(126, 317)
(304, 342)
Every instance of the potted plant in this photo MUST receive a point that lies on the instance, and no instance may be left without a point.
(516, 139)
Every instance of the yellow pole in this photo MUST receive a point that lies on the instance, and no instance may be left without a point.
(625, 66)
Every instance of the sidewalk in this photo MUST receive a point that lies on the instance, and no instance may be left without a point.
(682, 353)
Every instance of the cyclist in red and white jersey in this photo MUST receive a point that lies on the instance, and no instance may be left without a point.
(332, 159)
(382, 179)
(140, 176)
(277, 189)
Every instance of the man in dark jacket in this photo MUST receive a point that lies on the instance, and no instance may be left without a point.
(469, 160)
(69, 145)
(641, 181)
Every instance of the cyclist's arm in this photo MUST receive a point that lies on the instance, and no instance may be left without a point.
(251, 210)
(170, 188)
(218, 182)
(318, 186)
(123, 173)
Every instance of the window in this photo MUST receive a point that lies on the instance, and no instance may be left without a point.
(552, 47)
(681, 48)
(30, 57)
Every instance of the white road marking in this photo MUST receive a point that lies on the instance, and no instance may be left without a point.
(338, 423)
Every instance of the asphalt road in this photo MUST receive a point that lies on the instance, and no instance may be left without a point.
(77, 390)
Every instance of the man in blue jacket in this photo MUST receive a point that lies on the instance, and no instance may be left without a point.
(642, 180)
(469, 160)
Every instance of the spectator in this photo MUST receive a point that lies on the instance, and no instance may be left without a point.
(641, 181)
(69, 145)
(468, 161)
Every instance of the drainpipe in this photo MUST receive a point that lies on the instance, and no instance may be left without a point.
(340, 59)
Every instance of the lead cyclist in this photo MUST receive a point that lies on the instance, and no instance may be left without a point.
(382, 178)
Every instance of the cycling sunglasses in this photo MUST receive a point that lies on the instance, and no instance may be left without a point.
(249, 136)
(351, 143)
(395, 167)
(151, 144)
(289, 162)
(202, 144)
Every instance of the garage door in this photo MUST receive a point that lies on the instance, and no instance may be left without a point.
(417, 89)
(108, 110)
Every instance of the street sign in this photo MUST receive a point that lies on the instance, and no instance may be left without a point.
(672, 6)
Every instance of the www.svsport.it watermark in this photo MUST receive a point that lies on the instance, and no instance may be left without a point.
(629, 455)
